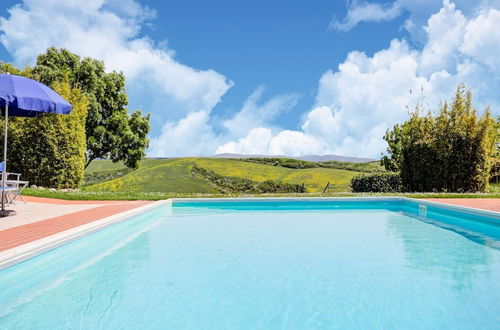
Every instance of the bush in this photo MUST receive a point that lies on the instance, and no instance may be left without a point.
(226, 184)
(449, 150)
(387, 182)
(282, 162)
(101, 176)
(369, 167)
(49, 150)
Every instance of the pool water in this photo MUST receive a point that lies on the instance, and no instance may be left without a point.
(266, 265)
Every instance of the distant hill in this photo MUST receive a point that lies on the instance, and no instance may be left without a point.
(175, 175)
(310, 158)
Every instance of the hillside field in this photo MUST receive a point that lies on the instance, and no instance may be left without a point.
(174, 175)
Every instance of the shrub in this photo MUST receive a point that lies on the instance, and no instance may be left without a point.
(231, 184)
(101, 176)
(369, 167)
(49, 150)
(282, 162)
(449, 150)
(386, 182)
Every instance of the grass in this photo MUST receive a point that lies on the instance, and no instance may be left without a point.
(159, 179)
(174, 176)
(154, 175)
(106, 195)
(370, 167)
(315, 179)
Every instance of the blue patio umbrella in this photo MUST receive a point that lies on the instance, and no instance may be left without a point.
(24, 97)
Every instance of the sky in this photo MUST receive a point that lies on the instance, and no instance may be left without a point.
(272, 77)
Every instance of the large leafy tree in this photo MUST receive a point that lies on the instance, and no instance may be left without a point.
(448, 151)
(111, 132)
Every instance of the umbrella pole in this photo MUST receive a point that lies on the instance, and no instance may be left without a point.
(4, 169)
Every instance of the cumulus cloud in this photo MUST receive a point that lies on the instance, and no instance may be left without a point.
(190, 136)
(255, 142)
(111, 31)
(368, 94)
(482, 39)
(416, 13)
(196, 135)
(367, 12)
(254, 113)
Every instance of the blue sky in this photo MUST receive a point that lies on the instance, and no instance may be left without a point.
(283, 45)
(271, 77)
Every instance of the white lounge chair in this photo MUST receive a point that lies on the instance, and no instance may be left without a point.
(13, 187)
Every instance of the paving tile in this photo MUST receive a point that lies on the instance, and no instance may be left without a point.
(23, 234)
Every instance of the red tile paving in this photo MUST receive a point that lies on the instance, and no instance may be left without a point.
(489, 204)
(66, 202)
(16, 236)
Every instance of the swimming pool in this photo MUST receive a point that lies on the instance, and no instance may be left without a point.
(268, 264)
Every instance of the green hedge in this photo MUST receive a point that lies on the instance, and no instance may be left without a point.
(387, 182)
(226, 184)
(282, 162)
(49, 150)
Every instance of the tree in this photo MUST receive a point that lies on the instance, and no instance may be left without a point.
(448, 151)
(110, 131)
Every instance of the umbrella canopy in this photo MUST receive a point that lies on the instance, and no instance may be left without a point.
(28, 98)
(24, 97)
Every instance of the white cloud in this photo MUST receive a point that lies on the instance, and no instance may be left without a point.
(195, 134)
(416, 13)
(295, 143)
(255, 142)
(367, 12)
(368, 94)
(190, 136)
(445, 31)
(482, 39)
(111, 31)
(254, 113)
(261, 141)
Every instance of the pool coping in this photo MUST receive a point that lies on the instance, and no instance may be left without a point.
(459, 208)
(29, 250)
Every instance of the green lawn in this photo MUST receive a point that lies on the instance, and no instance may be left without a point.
(104, 195)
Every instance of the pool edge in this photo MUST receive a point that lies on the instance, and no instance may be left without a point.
(29, 250)
(459, 208)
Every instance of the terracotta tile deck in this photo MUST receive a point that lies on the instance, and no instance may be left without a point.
(67, 202)
(489, 204)
(23, 234)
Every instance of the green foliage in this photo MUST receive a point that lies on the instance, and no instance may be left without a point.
(50, 150)
(153, 175)
(450, 151)
(383, 182)
(110, 131)
(174, 175)
(371, 167)
(231, 184)
(283, 162)
(495, 170)
(97, 177)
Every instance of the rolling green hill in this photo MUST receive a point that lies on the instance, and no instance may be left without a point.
(174, 175)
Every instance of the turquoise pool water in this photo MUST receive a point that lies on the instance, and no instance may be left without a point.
(266, 265)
